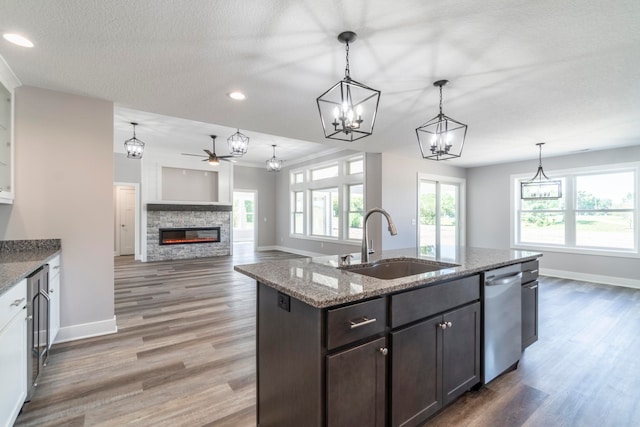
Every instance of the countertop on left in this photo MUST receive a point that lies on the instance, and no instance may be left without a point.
(19, 258)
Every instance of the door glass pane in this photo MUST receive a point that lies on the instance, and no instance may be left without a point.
(356, 206)
(427, 220)
(448, 219)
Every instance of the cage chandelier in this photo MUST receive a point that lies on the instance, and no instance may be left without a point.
(348, 109)
(274, 164)
(238, 143)
(540, 186)
(442, 137)
(133, 146)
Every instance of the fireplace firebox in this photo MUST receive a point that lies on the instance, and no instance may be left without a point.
(181, 236)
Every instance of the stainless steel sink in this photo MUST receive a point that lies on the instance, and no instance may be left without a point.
(396, 268)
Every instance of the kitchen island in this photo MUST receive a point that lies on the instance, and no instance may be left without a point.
(335, 347)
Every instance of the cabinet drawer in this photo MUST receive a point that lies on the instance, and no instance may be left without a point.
(354, 322)
(12, 302)
(529, 271)
(413, 305)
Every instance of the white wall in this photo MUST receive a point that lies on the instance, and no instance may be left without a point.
(264, 182)
(488, 196)
(400, 194)
(64, 179)
(125, 169)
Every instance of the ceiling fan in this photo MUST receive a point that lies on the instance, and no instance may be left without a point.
(211, 156)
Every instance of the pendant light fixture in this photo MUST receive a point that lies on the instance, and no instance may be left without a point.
(274, 164)
(442, 137)
(134, 146)
(238, 144)
(540, 186)
(348, 109)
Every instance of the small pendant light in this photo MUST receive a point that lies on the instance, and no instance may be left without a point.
(274, 164)
(133, 146)
(238, 144)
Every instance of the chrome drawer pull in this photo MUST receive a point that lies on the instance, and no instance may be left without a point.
(364, 321)
(532, 287)
(17, 302)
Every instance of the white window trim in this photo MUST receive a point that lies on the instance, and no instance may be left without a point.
(462, 183)
(570, 210)
(340, 182)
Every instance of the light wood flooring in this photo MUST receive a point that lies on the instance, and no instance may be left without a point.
(184, 355)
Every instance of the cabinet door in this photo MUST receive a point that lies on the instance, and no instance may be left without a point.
(356, 383)
(13, 368)
(54, 307)
(529, 314)
(460, 351)
(416, 382)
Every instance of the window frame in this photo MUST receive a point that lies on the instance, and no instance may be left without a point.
(342, 181)
(570, 211)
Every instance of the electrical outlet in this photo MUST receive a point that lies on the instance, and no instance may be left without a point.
(284, 301)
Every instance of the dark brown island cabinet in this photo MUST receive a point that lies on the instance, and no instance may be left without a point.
(391, 360)
(529, 303)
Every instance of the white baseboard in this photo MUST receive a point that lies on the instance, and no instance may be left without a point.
(291, 250)
(86, 330)
(595, 278)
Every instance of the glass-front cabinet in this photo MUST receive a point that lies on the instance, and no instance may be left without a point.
(8, 82)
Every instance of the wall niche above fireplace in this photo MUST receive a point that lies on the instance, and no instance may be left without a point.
(186, 236)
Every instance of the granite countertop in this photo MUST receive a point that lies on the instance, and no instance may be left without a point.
(320, 284)
(19, 258)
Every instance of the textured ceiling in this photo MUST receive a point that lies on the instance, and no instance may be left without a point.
(564, 72)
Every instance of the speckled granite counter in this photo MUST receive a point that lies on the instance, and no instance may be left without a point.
(320, 284)
(19, 258)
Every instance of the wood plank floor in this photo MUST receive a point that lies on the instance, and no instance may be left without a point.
(184, 355)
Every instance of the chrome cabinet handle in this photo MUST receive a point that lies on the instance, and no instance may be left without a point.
(532, 286)
(50, 291)
(56, 267)
(362, 322)
(17, 302)
(383, 350)
(445, 325)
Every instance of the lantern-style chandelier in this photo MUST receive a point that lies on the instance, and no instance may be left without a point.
(274, 164)
(442, 137)
(348, 109)
(238, 143)
(540, 186)
(133, 146)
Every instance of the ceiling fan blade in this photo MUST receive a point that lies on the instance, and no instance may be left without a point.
(195, 155)
(209, 152)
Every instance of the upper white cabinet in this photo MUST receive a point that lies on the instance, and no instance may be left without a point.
(8, 83)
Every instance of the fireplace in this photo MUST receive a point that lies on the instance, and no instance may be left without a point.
(181, 236)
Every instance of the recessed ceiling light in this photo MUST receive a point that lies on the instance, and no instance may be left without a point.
(238, 96)
(17, 39)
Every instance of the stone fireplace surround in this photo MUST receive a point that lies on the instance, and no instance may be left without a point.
(170, 215)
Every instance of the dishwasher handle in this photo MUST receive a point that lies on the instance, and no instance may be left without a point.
(504, 280)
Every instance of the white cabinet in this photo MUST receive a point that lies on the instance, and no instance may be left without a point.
(13, 352)
(54, 298)
(8, 82)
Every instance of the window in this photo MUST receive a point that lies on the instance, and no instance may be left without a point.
(324, 173)
(297, 177)
(356, 211)
(598, 213)
(297, 212)
(327, 200)
(440, 215)
(355, 166)
(325, 212)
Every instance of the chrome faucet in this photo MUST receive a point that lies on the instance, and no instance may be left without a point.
(364, 256)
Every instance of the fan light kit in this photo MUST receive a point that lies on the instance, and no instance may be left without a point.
(348, 109)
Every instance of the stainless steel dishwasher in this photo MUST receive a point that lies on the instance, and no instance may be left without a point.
(502, 320)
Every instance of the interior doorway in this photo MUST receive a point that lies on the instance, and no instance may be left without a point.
(125, 242)
(245, 226)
